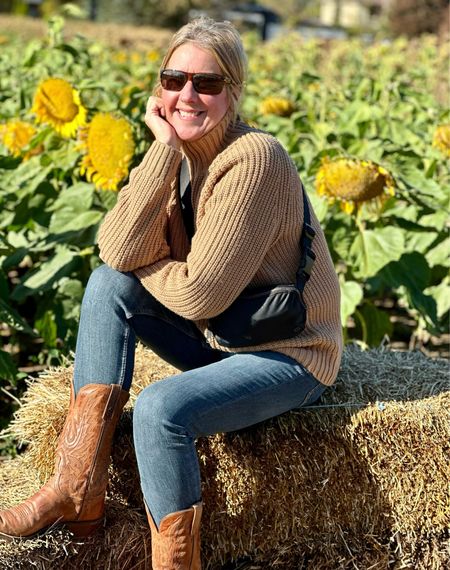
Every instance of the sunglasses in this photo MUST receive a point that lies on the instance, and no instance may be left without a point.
(204, 83)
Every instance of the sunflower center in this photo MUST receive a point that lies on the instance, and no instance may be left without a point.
(354, 181)
(109, 144)
(16, 135)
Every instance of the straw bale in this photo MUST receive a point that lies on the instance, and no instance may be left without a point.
(359, 481)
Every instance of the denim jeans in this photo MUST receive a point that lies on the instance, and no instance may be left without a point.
(216, 392)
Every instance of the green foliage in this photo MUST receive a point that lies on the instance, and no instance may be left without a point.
(346, 98)
(368, 102)
(49, 213)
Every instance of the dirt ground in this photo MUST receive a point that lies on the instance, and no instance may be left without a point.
(117, 35)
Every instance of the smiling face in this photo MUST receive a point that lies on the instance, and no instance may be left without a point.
(193, 114)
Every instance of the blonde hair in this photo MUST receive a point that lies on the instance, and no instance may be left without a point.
(223, 41)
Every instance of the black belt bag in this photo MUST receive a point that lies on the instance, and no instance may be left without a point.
(266, 314)
(260, 315)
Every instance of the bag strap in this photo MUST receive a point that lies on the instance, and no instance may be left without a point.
(185, 195)
(307, 256)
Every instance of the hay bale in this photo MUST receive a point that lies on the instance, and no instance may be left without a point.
(360, 481)
(122, 543)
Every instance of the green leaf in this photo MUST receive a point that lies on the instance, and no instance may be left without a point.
(375, 324)
(439, 255)
(358, 112)
(13, 260)
(401, 134)
(72, 210)
(5, 247)
(9, 162)
(369, 148)
(68, 48)
(26, 178)
(373, 249)
(399, 209)
(419, 241)
(342, 240)
(410, 276)
(427, 187)
(441, 294)
(78, 198)
(411, 270)
(72, 288)
(425, 305)
(107, 198)
(49, 272)
(12, 318)
(436, 220)
(65, 221)
(8, 369)
(64, 157)
(17, 239)
(351, 297)
(319, 205)
(46, 326)
(4, 289)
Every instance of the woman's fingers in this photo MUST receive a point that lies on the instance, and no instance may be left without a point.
(155, 119)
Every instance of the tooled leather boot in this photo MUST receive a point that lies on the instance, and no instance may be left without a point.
(176, 545)
(75, 495)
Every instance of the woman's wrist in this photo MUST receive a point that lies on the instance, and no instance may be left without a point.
(174, 142)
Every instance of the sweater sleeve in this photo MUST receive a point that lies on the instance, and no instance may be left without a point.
(240, 223)
(133, 233)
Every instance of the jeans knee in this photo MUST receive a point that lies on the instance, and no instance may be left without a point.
(157, 417)
(148, 410)
(106, 283)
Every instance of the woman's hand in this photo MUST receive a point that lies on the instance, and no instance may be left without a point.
(157, 123)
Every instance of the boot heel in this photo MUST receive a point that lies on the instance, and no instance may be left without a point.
(83, 529)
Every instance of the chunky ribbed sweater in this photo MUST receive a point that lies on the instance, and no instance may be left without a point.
(248, 215)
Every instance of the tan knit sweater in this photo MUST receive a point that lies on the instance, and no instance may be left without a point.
(248, 212)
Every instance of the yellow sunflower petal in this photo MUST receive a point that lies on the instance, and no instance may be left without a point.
(16, 136)
(277, 106)
(59, 105)
(353, 182)
(441, 139)
(109, 147)
(348, 207)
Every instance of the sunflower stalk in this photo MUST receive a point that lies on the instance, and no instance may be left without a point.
(55, 31)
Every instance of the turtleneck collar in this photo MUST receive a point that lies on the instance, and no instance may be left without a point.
(204, 150)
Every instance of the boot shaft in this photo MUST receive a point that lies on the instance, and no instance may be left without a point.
(176, 544)
(84, 447)
(75, 494)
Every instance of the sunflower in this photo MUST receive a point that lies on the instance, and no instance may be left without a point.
(16, 136)
(441, 139)
(277, 106)
(120, 56)
(353, 182)
(153, 55)
(107, 142)
(57, 103)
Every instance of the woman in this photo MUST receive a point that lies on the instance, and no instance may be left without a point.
(175, 258)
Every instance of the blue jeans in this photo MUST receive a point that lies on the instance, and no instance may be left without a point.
(216, 392)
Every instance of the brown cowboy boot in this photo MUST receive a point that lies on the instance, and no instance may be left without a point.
(176, 545)
(75, 494)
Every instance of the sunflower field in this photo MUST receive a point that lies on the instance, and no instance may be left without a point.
(367, 126)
